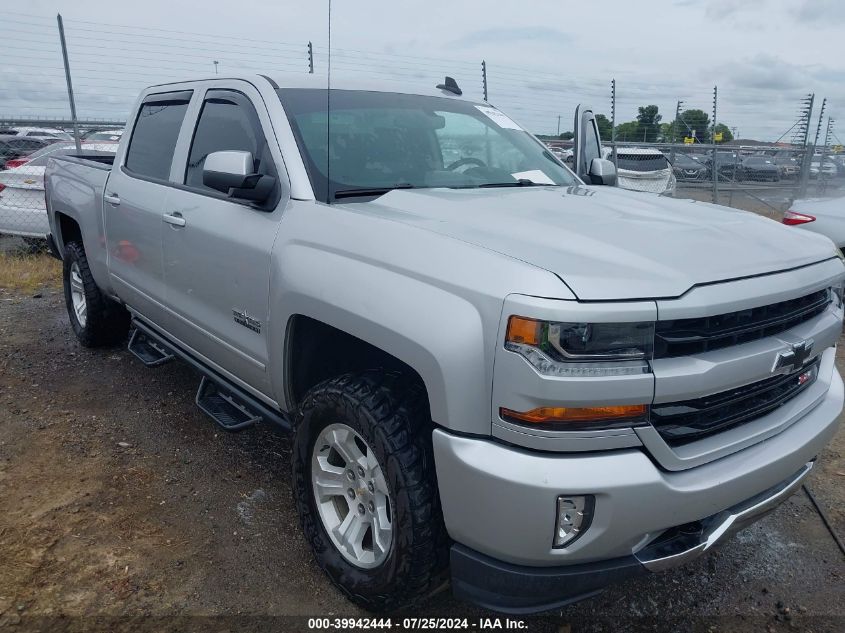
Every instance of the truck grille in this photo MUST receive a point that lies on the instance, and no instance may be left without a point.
(690, 420)
(684, 337)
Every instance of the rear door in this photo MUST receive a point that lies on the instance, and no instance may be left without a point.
(134, 201)
(217, 251)
(587, 142)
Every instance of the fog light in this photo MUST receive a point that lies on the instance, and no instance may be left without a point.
(574, 515)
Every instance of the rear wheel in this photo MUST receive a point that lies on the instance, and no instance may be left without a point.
(366, 490)
(96, 320)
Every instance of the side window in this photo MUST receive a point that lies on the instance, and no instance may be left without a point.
(228, 121)
(154, 136)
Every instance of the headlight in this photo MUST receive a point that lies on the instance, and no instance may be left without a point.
(582, 349)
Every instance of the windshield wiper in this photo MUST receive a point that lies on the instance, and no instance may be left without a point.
(371, 191)
(522, 182)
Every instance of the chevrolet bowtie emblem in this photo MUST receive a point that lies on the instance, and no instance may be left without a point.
(795, 357)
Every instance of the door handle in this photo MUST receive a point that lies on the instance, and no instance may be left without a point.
(174, 219)
(112, 198)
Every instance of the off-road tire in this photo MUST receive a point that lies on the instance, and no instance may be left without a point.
(107, 322)
(390, 412)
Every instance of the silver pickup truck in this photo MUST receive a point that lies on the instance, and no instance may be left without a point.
(496, 370)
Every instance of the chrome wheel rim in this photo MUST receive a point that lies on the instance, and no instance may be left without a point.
(351, 496)
(77, 295)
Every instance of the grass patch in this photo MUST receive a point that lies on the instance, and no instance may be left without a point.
(29, 273)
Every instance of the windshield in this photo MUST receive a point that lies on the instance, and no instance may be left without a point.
(382, 141)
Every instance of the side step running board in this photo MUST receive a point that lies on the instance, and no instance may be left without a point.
(230, 406)
(224, 407)
(149, 350)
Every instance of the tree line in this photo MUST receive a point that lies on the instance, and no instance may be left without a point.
(650, 128)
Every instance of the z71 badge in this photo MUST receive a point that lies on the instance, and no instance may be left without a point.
(242, 318)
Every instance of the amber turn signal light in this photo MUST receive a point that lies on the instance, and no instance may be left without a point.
(543, 415)
(522, 330)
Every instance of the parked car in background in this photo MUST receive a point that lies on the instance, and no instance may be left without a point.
(726, 165)
(13, 147)
(104, 136)
(788, 166)
(827, 170)
(825, 216)
(38, 132)
(22, 210)
(644, 169)
(688, 169)
(758, 168)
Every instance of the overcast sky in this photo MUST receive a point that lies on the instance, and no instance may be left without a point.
(543, 57)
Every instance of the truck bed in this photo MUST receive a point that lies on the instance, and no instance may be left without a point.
(98, 161)
(75, 185)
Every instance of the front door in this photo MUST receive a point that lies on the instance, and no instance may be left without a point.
(217, 252)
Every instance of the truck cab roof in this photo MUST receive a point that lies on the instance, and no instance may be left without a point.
(317, 82)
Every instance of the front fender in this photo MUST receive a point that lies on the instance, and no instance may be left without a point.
(439, 334)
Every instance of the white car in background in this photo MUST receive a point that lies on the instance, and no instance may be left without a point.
(828, 169)
(22, 210)
(644, 169)
(819, 215)
(38, 132)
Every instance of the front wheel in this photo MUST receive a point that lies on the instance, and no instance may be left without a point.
(366, 490)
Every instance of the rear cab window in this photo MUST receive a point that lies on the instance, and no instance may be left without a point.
(155, 133)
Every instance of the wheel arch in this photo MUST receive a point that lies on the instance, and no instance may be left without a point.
(316, 351)
(444, 349)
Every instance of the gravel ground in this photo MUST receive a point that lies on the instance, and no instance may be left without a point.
(124, 508)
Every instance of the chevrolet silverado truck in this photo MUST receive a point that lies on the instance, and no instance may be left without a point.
(496, 370)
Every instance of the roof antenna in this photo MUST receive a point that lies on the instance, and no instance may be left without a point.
(450, 86)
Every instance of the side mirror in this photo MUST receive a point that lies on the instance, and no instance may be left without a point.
(232, 172)
(602, 172)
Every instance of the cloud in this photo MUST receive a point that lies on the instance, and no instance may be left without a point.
(765, 72)
(722, 9)
(506, 35)
(820, 12)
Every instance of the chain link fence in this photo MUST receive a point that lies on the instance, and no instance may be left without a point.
(24, 152)
(676, 142)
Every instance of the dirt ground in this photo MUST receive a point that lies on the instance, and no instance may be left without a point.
(122, 507)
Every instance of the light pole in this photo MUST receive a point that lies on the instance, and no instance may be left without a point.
(215, 66)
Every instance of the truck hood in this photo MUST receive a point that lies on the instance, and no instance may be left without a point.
(606, 243)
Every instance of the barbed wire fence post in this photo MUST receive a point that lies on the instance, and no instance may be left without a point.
(613, 122)
(713, 141)
(484, 78)
(823, 157)
(804, 126)
(70, 98)
(310, 59)
(815, 144)
(675, 132)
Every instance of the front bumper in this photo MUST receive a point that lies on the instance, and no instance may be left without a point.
(521, 589)
(500, 500)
